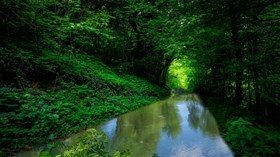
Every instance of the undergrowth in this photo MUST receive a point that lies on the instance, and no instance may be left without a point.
(60, 94)
(90, 144)
(244, 134)
(247, 138)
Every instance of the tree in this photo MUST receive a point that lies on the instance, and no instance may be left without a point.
(232, 44)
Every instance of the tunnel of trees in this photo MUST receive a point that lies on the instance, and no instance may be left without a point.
(218, 48)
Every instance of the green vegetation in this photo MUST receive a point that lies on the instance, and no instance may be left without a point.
(229, 50)
(66, 65)
(80, 97)
(246, 136)
(256, 140)
(91, 145)
(181, 74)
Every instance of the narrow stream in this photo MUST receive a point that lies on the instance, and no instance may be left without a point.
(176, 127)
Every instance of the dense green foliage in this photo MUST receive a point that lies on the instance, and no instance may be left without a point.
(233, 52)
(246, 136)
(92, 144)
(68, 64)
(255, 140)
(81, 95)
(51, 84)
(230, 49)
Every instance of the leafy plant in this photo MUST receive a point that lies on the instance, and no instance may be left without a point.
(92, 145)
(247, 139)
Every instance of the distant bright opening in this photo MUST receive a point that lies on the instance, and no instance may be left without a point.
(180, 74)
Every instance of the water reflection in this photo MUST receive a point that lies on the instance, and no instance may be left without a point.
(138, 131)
(172, 122)
(178, 126)
(200, 118)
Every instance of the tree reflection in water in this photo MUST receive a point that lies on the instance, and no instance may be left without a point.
(165, 127)
(172, 121)
(202, 119)
(140, 130)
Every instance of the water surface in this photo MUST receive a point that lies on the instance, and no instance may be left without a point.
(177, 127)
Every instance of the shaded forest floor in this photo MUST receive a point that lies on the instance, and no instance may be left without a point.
(245, 133)
(62, 94)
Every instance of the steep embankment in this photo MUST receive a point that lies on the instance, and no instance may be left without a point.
(51, 95)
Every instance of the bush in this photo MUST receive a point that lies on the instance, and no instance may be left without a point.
(91, 144)
(247, 139)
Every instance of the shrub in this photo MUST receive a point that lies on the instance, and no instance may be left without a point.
(91, 144)
(247, 139)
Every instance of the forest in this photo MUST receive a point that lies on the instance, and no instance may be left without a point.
(69, 64)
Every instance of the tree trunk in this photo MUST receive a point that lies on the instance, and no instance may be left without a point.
(250, 94)
(164, 71)
(257, 94)
(238, 56)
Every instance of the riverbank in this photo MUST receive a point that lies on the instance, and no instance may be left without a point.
(163, 127)
(246, 134)
(70, 93)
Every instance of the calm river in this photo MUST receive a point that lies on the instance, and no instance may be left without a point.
(176, 127)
